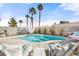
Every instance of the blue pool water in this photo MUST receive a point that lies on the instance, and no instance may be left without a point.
(76, 33)
(40, 37)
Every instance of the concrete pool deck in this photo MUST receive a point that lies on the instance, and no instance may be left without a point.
(13, 40)
(30, 46)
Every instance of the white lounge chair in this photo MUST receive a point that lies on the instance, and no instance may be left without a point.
(6, 53)
(54, 45)
(72, 49)
(2, 53)
(68, 46)
(27, 49)
(12, 50)
(60, 52)
(53, 49)
(39, 52)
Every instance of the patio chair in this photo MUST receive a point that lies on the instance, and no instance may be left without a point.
(60, 52)
(12, 50)
(53, 49)
(3, 52)
(72, 49)
(27, 50)
(39, 52)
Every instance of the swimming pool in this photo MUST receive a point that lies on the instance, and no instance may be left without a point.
(76, 33)
(40, 37)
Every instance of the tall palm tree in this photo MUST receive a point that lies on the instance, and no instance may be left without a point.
(27, 16)
(39, 7)
(32, 11)
(20, 21)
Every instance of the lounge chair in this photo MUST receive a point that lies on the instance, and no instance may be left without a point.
(39, 52)
(60, 52)
(53, 50)
(67, 40)
(74, 36)
(47, 52)
(50, 50)
(3, 52)
(68, 46)
(12, 50)
(72, 49)
(27, 50)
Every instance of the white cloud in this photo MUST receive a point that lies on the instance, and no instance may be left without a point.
(46, 23)
(74, 20)
(71, 7)
(6, 15)
(5, 18)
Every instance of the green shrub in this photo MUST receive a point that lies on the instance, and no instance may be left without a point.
(61, 32)
(39, 31)
(45, 31)
(5, 32)
(52, 31)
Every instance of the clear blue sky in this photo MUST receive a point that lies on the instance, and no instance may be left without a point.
(51, 13)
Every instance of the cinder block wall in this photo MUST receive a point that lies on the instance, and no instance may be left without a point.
(12, 31)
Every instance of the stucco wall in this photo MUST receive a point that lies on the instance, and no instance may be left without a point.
(13, 30)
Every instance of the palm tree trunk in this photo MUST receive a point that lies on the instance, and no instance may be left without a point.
(39, 19)
(32, 21)
(20, 25)
(27, 23)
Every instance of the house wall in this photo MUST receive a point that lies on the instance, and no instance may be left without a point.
(11, 31)
(67, 28)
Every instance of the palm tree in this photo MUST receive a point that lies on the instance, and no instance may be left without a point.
(20, 21)
(27, 16)
(32, 11)
(40, 7)
(12, 22)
